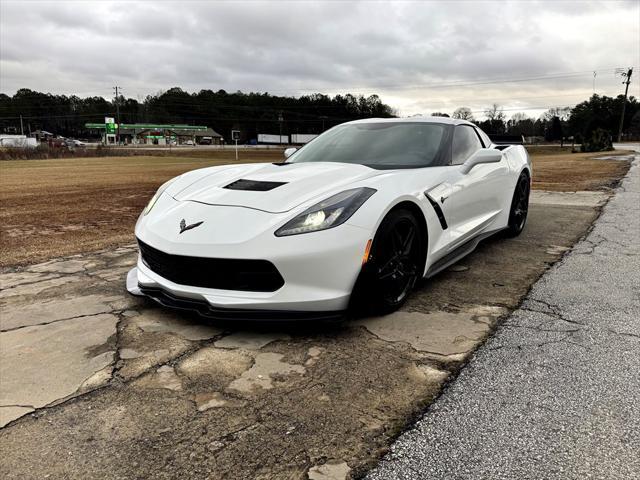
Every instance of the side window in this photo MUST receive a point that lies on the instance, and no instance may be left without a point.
(485, 138)
(465, 144)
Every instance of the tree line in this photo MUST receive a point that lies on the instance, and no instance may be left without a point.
(599, 114)
(251, 113)
(254, 113)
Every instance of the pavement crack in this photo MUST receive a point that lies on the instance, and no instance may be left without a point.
(106, 312)
(551, 311)
(230, 436)
(625, 334)
(564, 339)
(539, 328)
(117, 362)
(18, 406)
(34, 282)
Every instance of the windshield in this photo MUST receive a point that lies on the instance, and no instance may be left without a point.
(377, 145)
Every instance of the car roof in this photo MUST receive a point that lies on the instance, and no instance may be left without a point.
(414, 119)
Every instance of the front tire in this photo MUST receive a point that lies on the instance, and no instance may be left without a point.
(519, 206)
(393, 267)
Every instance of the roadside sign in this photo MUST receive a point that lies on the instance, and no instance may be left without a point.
(110, 125)
(235, 135)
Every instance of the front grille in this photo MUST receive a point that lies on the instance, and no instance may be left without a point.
(219, 273)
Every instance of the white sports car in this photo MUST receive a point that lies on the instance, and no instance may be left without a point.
(355, 217)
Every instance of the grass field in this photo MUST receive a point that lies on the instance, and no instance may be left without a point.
(58, 207)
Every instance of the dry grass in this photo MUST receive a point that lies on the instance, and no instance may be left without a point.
(565, 171)
(59, 207)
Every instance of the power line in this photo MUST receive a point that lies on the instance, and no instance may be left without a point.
(496, 99)
(465, 83)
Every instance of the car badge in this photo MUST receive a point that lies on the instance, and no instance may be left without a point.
(184, 227)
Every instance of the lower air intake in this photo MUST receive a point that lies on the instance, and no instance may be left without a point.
(218, 273)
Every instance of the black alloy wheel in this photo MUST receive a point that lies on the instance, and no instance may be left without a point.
(393, 267)
(519, 207)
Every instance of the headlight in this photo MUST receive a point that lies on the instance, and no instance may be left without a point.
(329, 213)
(157, 195)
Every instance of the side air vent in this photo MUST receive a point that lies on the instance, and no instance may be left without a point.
(253, 185)
(438, 210)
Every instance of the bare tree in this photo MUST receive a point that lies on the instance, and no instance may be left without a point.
(463, 113)
(519, 117)
(562, 113)
(495, 113)
(520, 124)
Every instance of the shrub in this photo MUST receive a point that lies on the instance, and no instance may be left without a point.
(599, 141)
(43, 151)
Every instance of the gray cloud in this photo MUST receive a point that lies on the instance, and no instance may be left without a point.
(85, 47)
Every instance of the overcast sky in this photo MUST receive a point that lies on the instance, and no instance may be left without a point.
(420, 57)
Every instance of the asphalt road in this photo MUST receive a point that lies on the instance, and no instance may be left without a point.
(555, 393)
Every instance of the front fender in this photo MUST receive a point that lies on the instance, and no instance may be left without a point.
(373, 215)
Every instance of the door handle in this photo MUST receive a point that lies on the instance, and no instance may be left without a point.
(443, 198)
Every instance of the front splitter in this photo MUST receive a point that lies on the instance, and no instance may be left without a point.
(205, 309)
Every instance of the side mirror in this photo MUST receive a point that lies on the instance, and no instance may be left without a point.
(289, 151)
(484, 155)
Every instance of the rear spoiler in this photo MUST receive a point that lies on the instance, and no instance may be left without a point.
(507, 139)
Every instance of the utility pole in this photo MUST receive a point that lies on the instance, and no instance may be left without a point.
(21, 127)
(117, 101)
(280, 120)
(624, 101)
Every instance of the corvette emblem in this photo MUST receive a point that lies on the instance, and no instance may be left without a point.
(184, 227)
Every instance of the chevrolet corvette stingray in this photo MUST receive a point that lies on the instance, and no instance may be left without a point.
(352, 219)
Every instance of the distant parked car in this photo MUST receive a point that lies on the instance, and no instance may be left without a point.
(71, 143)
(57, 143)
(206, 140)
(189, 142)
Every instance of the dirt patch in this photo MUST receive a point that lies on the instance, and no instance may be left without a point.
(52, 208)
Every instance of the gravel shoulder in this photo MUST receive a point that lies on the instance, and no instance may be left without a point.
(555, 393)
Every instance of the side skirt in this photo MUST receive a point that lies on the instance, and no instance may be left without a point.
(457, 254)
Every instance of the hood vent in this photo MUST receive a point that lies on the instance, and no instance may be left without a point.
(253, 185)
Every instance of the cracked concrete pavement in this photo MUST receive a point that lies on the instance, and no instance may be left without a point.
(121, 388)
(555, 392)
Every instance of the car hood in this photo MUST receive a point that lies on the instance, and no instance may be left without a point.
(300, 182)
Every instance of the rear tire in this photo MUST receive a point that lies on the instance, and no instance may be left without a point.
(519, 207)
(393, 267)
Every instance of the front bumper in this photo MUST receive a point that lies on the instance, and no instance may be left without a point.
(319, 271)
